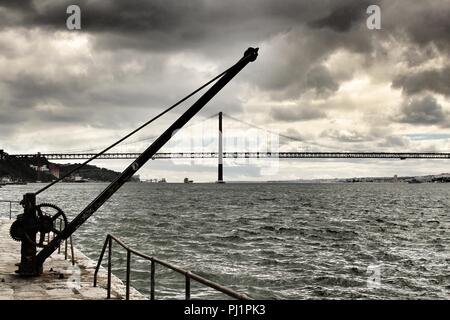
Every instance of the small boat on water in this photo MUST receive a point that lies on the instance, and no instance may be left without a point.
(10, 181)
(76, 179)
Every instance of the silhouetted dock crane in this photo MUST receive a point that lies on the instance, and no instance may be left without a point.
(42, 218)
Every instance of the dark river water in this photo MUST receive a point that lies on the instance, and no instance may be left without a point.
(273, 241)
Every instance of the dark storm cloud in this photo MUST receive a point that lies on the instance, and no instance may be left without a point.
(147, 25)
(437, 80)
(27, 90)
(297, 37)
(344, 17)
(170, 25)
(320, 79)
(9, 117)
(153, 26)
(423, 111)
(424, 22)
(160, 24)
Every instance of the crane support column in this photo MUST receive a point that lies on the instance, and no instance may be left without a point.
(28, 265)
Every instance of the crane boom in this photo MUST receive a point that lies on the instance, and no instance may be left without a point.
(31, 264)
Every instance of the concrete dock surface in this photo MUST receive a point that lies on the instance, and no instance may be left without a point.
(60, 279)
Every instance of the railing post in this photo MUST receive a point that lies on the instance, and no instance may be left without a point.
(100, 260)
(152, 280)
(108, 296)
(188, 286)
(71, 251)
(65, 249)
(60, 227)
(127, 293)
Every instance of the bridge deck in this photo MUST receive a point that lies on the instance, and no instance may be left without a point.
(272, 155)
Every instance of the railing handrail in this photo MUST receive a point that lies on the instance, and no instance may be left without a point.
(188, 274)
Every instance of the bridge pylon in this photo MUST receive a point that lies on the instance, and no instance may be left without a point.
(220, 153)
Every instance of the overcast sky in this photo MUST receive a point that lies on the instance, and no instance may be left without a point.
(322, 77)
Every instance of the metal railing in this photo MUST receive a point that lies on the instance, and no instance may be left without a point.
(72, 254)
(10, 206)
(187, 274)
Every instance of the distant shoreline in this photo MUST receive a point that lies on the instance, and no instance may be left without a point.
(441, 178)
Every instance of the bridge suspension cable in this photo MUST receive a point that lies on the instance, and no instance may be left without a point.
(279, 134)
(147, 138)
(151, 138)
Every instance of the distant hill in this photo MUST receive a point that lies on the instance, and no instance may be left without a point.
(93, 173)
(21, 169)
(442, 178)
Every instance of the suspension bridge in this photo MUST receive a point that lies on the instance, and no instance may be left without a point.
(235, 154)
(87, 154)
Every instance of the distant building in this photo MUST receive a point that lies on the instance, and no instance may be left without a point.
(54, 169)
(6, 180)
(43, 168)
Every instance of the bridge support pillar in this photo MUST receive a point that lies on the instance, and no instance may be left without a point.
(220, 154)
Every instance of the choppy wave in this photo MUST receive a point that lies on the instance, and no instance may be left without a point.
(275, 241)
